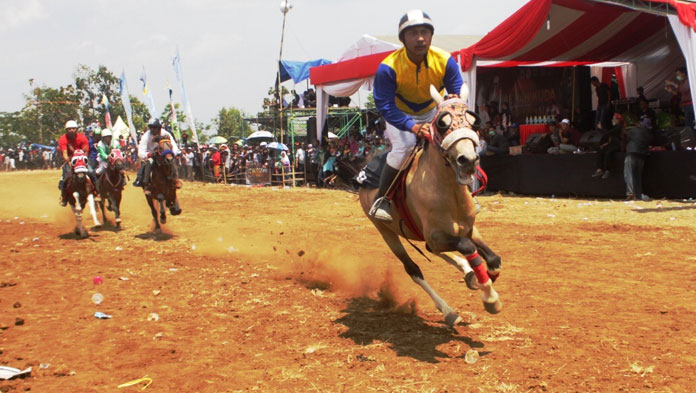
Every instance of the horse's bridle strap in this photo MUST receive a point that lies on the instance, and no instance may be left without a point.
(456, 135)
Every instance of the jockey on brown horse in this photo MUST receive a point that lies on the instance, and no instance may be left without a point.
(436, 203)
(148, 143)
(111, 175)
(68, 143)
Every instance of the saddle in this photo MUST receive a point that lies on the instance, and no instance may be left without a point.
(369, 176)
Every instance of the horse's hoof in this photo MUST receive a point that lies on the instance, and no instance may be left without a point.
(163, 220)
(493, 308)
(77, 231)
(493, 274)
(453, 319)
(471, 281)
(175, 212)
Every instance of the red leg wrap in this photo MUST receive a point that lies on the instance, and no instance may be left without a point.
(479, 268)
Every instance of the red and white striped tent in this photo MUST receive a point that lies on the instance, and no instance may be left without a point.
(653, 37)
(649, 38)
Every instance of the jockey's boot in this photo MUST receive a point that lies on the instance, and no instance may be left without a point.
(381, 208)
(139, 178)
(146, 177)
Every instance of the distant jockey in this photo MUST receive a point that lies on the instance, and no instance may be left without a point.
(105, 149)
(148, 143)
(69, 143)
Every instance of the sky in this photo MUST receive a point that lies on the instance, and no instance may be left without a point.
(229, 48)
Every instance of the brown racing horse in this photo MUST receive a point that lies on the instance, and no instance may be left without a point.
(79, 192)
(442, 207)
(163, 183)
(111, 182)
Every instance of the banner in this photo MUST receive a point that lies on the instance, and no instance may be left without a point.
(173, 120)
(125, 99)
(107, 115)
(256, 174)
(149, 100)
(184, 100)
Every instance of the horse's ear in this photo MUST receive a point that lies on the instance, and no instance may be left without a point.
(464, 92)
(436, 95)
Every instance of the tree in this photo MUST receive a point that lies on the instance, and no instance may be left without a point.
(370, 104)
(91, 86)
(166, 116)
(46, 111)
(230, 123)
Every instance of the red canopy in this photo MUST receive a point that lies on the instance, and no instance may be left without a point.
(578, 32)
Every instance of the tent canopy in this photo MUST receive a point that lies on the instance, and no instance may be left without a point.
(552, 33)
(298, 70)
(577, 32)
(586, 32)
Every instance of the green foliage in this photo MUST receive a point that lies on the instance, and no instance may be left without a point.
(230, 123)
(166, 116)
(370, 104)
(47, 109)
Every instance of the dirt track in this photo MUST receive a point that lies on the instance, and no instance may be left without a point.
(262, 290)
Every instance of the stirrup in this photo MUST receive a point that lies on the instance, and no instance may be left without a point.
(380, 211)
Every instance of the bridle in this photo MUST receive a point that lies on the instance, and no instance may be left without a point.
(451, 124)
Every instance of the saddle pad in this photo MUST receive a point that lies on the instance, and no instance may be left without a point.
(369, 176)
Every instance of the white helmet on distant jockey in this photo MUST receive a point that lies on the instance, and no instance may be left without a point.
(154, 122)
(414, 18)
(106, 132)
(70, 124)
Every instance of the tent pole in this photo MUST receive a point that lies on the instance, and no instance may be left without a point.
(572, 106)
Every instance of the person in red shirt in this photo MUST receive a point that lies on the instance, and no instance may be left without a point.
(216, 158)
(68, 144)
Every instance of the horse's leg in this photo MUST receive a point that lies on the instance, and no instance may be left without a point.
(443, 242)
(77, 210)
(163, 215)
(492, 259)
(463, 266)
(101, 206)
(153, 211)
(115, 201)
(93, 210)
(392, 240)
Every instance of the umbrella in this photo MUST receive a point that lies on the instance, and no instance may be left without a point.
(331, 135)
(217, 140)
(277, 146)
(260, 135)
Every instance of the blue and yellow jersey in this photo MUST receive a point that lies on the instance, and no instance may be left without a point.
(402, 88)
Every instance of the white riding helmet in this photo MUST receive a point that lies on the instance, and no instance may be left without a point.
(70, 124)
(414, 18)
(106, 132)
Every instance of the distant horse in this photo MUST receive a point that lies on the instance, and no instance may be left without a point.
(111, 182)
(163, 183)
(79, 191)
(439, 207)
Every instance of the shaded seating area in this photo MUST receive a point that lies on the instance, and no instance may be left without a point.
(667, 174)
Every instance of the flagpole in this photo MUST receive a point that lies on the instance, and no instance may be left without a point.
(285, 7)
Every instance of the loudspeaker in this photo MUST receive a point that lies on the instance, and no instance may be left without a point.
(537, 143)
(591, 140)
(311, 129)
